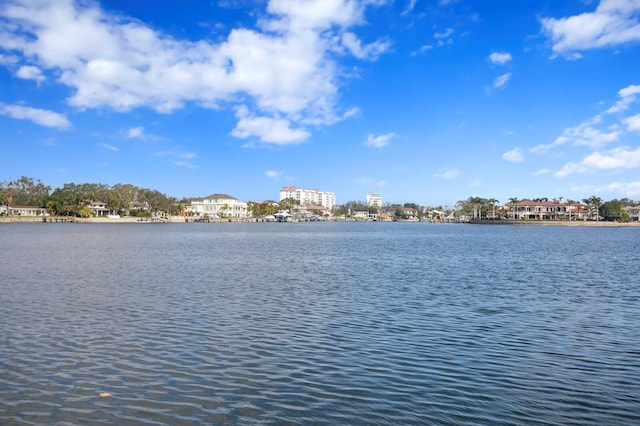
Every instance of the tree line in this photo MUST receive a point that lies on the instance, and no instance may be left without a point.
(74, 199)
(129, 200)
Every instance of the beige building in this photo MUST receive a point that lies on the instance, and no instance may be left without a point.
(374, 199)
(547, 210)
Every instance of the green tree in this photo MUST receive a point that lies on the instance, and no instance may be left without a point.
(123, 197)
(261, 209)
(26, 191)
(475, 207)
(289, 204)
(614, 211)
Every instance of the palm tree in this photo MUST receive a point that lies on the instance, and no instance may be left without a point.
(492, 202)
(594, 201)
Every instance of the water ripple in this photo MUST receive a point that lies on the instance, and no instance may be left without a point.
(318, 324)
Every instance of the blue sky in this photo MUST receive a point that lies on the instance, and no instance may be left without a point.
(422, 101)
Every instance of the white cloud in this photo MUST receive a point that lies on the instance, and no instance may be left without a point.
(624, 189)
(136, 133)
(583, 134)
(379, 141)
(501, 80)
(541, 172)
(422, 49)
(273, 174)
(514, 156)
(360, 51)
(8, 59)
(618, 158)
(186, 164)
(633, 123)
(447, 174)
(628, 96)
(109, 147)
(410, 6)
(614, 22)
(42, 117)
(499, 58)
(29, 72)
(286, 67)
(277, 131)
(445, 34)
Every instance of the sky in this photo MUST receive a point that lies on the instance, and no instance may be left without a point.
(422, 101)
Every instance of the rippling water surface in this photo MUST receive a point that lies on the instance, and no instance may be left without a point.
(319, 323)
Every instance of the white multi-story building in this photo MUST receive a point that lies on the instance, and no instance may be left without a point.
(309, 197)
(219, 205)
(374, 199)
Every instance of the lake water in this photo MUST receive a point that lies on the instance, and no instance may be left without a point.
(319, 323)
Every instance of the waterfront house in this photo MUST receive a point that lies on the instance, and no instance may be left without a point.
(547, 210)
(409, 213)
(99, 208)
(314, 211)
(219, 206)
(23, 211)
(385, 217)
(360, 214)
(634, 213)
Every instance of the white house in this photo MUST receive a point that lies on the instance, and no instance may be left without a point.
(219, 206)
(24, 211)
(99, 208)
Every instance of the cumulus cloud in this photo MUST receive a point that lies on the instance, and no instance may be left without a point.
(585, 134)
(514, 156)
(619, 158)
(136, 133)
(285, 68)
(29, 72)
(379, 141)
(614, 22)
(633, 123)
(42, 117)
(273, 174)
(625, 189)
(447, 174)
(501, 80)
(277, 131)
(627, 97)
(499, 58)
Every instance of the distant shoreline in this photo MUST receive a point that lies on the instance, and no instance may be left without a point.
(181, 219)
(573, 223)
